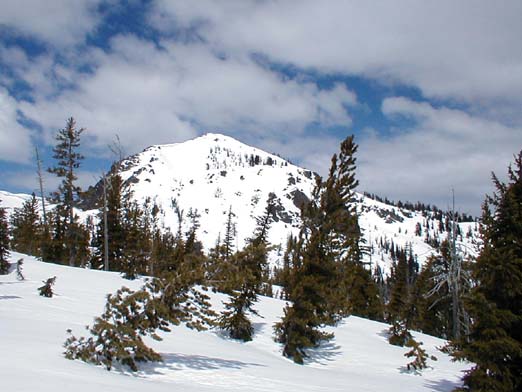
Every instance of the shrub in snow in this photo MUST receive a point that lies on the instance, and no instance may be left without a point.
(130, 315)
(47, 289)
(399, 334)
(117, 333)
(418, 354)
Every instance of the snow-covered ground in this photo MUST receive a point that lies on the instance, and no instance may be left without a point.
(33, 329)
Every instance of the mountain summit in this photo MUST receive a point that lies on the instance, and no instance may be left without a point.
(215, 174)
(212, 175)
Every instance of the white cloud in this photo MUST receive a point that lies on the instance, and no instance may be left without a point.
(15, 140)
(56, 22)
(467, 50)
(152, 95)
(444, 149)
(205, 78)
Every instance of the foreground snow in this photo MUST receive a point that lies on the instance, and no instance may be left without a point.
(33, 328)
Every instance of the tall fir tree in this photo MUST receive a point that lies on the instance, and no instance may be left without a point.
(136, 252)
(4, 242)
(358, 293)
(397, 307)
(26, 231)
(68, 161)
(250, 269)
(495, 341)
(329, 280)
(116, 239)
(230, 235)
(221, 267)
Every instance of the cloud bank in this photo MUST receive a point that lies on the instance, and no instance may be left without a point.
(450, 76)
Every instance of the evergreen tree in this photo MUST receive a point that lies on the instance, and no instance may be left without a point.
(222, 269)
(430, 312)
(283, 275)
(136, 252)
(25, 228)
(234, 319)
(328, 281)
(250, 269)
(313, 281)
(68, 161)
(115, 232)
(230, 235)
(365, 299)
(116, 335)
(4, 242)
(495, 341)
(399, 293)
(419, 355)
(399, 305)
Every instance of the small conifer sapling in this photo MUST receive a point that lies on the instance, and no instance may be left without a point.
(47, 289)
(19, 270)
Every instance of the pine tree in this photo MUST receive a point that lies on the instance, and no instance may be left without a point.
(399, 306)
(4, 242)
(230, 235)
(399, 295)
(430, 305)
(495, 341)
(234, 318)
(358, 293)
(222, 268)
(328, 281)
(313, 278)
(419, 355)
(25, 228)
(116, 335)
(250, 269)
(68, 161)
(283, 275)
(136, 253)
(365, 299)
(115, 231)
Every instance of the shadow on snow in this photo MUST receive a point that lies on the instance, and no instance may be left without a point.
(173, 362)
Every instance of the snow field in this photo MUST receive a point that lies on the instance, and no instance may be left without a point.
(33, 329)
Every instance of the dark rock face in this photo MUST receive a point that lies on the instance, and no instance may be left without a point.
(299, 198)
(389, 216)
(280, 214)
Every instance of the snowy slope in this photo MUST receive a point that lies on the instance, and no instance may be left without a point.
(212, 174)
(10, 201)
(33, 328)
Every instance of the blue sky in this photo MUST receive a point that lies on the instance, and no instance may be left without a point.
(432, 91)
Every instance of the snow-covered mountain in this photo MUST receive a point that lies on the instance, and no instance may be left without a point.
(214, 173)
(33, 329)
